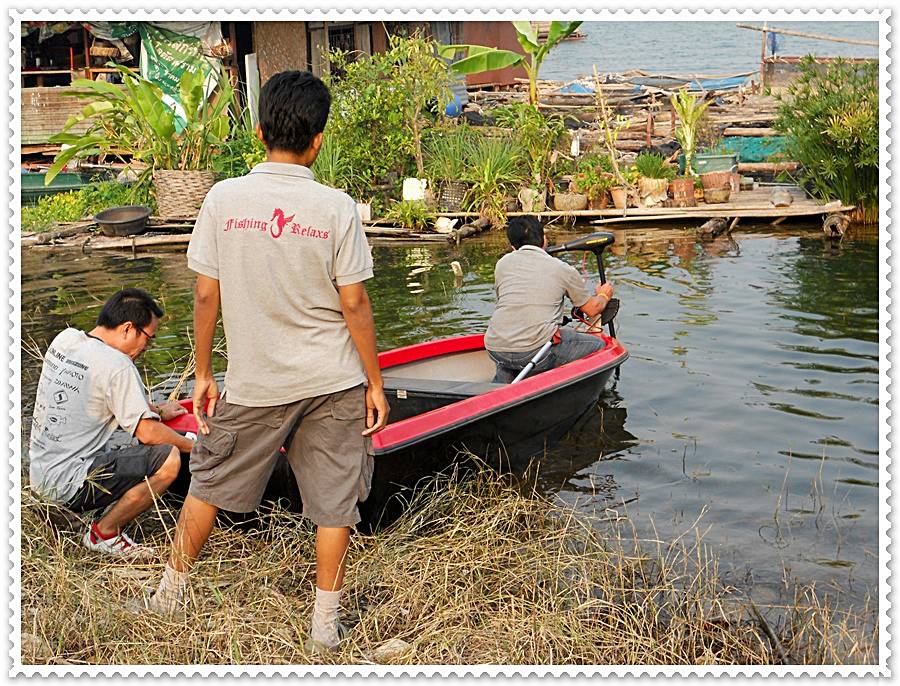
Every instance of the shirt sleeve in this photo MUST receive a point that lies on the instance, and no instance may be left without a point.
(202, 252)
(574, 285)
(127, 400)
(353, 260)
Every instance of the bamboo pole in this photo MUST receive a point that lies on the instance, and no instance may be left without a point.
(765, 28)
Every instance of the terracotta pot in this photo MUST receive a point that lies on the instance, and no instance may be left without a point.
(683, 193)
(735, 182)
(619, 197)
(653, 192)
(600, 202)
(569, 202)
(715, 179)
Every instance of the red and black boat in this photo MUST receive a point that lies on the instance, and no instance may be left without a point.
(444, 403)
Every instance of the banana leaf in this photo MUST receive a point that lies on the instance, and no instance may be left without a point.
(485, 60)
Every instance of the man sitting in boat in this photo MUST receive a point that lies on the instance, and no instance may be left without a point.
(89, 387)
(531, 288)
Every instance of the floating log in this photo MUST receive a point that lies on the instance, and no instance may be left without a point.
(713, 227)
(835, 225)
(479, 225)
(49, 236)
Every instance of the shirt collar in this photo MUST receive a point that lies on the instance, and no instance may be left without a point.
(283, 169)
(532, 247)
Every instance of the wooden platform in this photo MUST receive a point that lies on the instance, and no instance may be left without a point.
(744, 205)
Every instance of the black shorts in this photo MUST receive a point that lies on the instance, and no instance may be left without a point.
(113, 473)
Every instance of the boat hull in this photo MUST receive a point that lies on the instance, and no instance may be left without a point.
(437, 422)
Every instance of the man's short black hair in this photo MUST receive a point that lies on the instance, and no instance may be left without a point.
(525, 230)
(129, 305)
(293, 108)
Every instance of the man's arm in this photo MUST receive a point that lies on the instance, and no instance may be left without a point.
(357, 312)
(596, 304)
(153, 432)
(206, 314)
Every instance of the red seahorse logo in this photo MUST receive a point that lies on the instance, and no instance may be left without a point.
(279, 220)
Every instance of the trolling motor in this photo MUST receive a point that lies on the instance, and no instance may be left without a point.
(595, 243)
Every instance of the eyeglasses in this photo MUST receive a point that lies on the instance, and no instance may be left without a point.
(150, 337)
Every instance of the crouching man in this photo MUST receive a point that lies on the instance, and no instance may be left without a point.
(89, 388)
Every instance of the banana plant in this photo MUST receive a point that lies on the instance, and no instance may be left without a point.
(136, 119)
(480, 58)
(689, 112)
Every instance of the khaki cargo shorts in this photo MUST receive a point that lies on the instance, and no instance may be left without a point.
(331, 460)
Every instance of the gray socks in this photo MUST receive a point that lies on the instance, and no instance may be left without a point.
(324, 618)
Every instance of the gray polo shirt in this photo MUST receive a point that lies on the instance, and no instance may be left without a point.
(86, 391)
(280, 244)
(531, 286)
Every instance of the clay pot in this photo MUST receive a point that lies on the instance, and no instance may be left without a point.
(715, 179)
(569, 202)
(653, 192)
(600, 202)
(619, 197)
(683, 193)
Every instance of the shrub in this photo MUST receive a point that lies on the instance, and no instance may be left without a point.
(654, 167)
(411, 214)
(830, 119)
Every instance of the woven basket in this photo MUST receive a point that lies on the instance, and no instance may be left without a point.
(452, 195)
(103, 49)
(180, 193)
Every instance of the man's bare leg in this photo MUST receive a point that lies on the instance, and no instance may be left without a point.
(139, 498)
(331, 556)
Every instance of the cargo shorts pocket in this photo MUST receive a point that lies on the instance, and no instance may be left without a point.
(349, 405)
(366, 472)
(212, 449)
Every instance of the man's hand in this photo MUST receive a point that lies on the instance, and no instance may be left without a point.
(169, 410)
(377, 410)
(606, 290)
(206, 393)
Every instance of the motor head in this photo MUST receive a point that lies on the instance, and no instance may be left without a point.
(593, 242)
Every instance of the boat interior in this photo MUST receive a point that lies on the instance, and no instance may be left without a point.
(439, 381)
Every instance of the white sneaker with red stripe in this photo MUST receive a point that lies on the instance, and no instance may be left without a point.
(117, 545)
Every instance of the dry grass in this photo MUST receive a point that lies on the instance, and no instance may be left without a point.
(476, 572)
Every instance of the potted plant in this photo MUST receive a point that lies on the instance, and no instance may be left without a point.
(446, 155)
(654, 175)
(493, 172)
(593, 177)
(137, 119)
(690, 111)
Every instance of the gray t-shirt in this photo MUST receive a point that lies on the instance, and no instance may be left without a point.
(280, 244)
(530, 287)
(86, 391)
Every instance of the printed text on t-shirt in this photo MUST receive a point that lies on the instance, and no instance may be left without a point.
(276, 226)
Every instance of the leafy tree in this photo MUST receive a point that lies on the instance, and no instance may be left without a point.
(830, 119)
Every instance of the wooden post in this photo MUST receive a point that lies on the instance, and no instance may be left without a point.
(762, 59)
(649, 138)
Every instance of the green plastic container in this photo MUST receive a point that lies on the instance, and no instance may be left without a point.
(709, 162)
